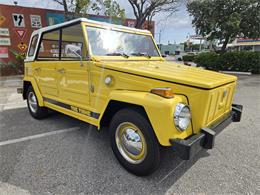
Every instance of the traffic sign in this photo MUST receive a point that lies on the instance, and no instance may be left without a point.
(5, 41)
(4, 32)
(18, 20)
(4, 52)
(21, 33)
(2, 20)
(22, 46)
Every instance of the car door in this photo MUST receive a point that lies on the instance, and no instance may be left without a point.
(47, 61)
(73, 74)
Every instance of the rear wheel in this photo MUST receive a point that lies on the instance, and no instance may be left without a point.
(35, 110)
(133, 142)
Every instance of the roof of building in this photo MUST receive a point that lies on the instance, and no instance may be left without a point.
(48, 28)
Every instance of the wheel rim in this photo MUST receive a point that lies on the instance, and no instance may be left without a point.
(131, 143)
(32, 101)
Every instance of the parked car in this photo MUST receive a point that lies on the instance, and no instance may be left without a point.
(115, 76)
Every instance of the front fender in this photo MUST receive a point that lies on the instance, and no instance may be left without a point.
(159, 111)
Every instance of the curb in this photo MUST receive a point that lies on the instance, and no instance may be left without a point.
(6, 78)
(236, 73)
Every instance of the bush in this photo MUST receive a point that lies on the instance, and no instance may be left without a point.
(232, 61)
(207, 60)
(188, 58)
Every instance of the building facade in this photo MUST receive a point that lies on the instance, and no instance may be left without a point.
(17, 23)
(242, 44)
(171, 49)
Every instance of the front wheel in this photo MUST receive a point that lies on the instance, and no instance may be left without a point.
(35, 110)
(133, 142)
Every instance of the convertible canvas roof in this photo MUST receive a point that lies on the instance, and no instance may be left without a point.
(71, 22)
(48, 28)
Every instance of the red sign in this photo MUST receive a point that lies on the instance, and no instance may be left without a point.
(21, 33)
(3, 52)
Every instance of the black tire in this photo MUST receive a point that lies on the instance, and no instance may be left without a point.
(39, 112)
(152, 158)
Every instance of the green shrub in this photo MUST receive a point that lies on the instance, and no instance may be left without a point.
(233, 61)
(188, 58)
(207, 60)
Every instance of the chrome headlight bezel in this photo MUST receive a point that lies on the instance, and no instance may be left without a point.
(182, 117)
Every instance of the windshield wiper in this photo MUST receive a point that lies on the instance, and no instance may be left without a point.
(118, 54)
(141, 54)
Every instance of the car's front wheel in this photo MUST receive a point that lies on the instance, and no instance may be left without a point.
(35, 110)
(133, 142)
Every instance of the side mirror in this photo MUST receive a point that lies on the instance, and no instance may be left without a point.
(164, 56)
(73, 51)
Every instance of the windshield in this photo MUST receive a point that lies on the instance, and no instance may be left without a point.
(104, 42)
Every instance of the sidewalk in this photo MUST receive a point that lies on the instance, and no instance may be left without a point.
(11, 81)
(9, 98)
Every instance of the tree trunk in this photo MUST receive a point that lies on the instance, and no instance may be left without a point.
(66, 11)
(139, 23)
(224, 46)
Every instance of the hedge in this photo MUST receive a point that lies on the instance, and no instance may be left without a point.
(232, 61)
(188, 58)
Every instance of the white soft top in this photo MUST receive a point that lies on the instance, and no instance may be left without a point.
(47, 28)
(78, 20)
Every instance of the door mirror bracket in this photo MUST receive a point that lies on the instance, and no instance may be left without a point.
(75, 51)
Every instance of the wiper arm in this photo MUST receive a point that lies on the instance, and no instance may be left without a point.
(118, 54)
(141, 54)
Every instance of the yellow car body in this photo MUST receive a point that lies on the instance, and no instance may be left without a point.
(79, 88)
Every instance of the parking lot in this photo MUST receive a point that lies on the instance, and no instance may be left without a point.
(61, 155)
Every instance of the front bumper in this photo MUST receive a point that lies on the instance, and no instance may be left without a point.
(187, 148)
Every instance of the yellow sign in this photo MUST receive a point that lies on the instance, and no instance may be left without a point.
(22, 46)
(2, 20)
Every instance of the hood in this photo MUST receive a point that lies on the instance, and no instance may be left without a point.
(171, 72)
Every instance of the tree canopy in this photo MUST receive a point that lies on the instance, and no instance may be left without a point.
(78, 8)
(225, 20)
(147, 9)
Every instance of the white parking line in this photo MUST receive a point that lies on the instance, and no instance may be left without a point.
(13, 103)
(8, 189)
(13, 141)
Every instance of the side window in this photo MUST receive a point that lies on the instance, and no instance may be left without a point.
(33, 45)
(72, 45)
(49, 46)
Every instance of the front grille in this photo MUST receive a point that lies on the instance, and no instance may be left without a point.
(220, 101)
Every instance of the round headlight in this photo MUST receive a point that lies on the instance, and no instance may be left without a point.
(182, 116)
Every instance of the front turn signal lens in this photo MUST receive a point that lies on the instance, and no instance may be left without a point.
(164, 92)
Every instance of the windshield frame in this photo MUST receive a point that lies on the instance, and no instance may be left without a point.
(124, 30)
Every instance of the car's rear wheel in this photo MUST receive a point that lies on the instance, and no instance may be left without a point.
(35, 110)
(133, 142)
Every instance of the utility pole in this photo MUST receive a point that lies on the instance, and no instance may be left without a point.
(200, 45)
(160, 39)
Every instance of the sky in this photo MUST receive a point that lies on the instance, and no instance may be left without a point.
(173, 29)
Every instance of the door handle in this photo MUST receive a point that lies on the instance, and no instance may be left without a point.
(62, 70)
(37, 69)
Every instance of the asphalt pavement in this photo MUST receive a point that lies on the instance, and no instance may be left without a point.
(62, 155)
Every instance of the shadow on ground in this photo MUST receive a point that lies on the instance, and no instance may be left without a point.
(75, 162)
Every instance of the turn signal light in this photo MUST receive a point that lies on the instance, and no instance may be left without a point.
(164, 92)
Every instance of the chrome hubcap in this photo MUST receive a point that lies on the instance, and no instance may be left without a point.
(32, 102)
(131, 142)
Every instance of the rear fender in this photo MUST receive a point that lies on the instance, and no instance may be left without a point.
(36, 89)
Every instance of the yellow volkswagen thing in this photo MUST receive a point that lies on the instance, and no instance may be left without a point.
(111, 75)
